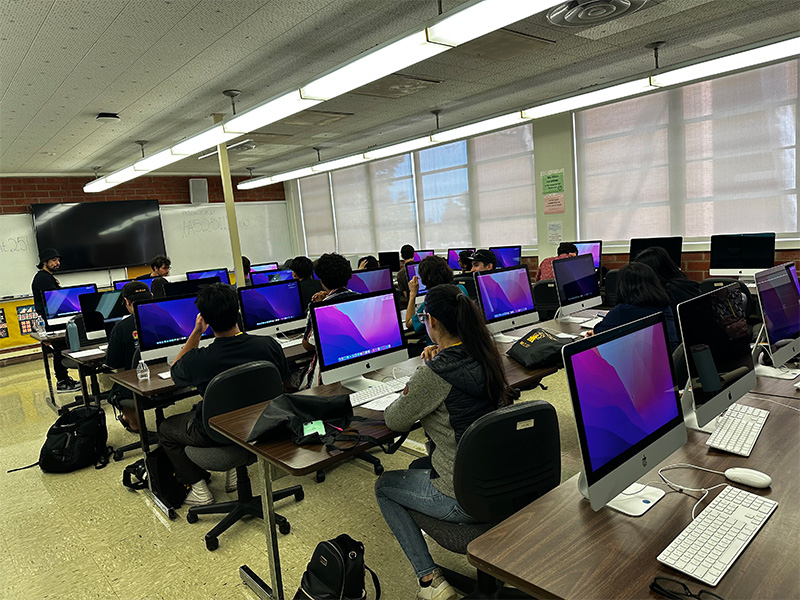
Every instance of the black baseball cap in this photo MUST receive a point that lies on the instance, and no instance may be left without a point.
(136, 291)
(486, 257)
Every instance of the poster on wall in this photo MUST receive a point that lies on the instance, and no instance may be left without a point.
(3, 324)
(27, 317)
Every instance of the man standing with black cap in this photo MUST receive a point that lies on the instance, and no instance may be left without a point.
(44, 281)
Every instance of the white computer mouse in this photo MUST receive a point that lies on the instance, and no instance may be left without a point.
(749, 477)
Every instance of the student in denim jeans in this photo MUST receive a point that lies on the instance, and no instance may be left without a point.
(461, 380)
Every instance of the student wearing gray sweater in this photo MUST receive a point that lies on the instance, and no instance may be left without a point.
(461, 380)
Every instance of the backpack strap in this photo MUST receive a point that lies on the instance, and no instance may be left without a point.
(23, 468)
(103, 459)
(375, 581)
(356, 438)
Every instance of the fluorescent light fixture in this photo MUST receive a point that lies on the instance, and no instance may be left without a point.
(157, 160)
(339, 163)
(371, 66)
(98, 185)
(255, 182)
(734, 62)
(615, 92)
(123, 175)
(483, 17)
(268, 112)
(478, 128)
(203, 141)
(401, 148)
(296, 174)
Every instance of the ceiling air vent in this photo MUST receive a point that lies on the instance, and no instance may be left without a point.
(585, 13)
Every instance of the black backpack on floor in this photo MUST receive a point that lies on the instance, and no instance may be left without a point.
(76, 440)
(336, 572)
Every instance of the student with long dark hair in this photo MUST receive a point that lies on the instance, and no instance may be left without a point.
(461, 380)
(679, 288)
(639, 294)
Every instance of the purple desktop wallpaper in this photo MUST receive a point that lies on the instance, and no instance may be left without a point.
(270, 276)
(420, 254)
(221, 273)
(358, 327)
(592, 248)
(576, 279)
(413, 271)
(452, 257)
(262, 268)
(121, 284)
(370, 281)
(504, 293)
(167, 321)
(507, 257)
(63, 302)
(271, 305)
(780, 296)
(626, 392)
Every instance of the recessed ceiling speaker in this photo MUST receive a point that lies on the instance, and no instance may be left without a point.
(585, 13)
(106, 117)
(198, 191)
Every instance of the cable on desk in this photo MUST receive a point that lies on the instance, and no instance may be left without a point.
(683, 489)
(779, 403)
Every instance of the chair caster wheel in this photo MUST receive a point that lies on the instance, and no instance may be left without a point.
(284, 527)
(118, 455)
(379, 469)
(172, 514)
(212, 544)
(319, 476)
(191, 517)
(299, 495)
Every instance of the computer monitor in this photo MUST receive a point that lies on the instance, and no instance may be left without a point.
(779, 296)
(190, 286)
(164, 325)
(420, 254)
(506, 300)
(412, 270)
(269, 266)
(595, 248)
(64, 303)
(452, 257)
(371, 280)
(355, 335)
(576, 283)
(742, 254)
(627, 411)
(270, 276)
(716, 341)
(673, 245)
(507, 256)
(100, 311)
(272, 308)
(222, 273)
(389, 259)
(120, 283)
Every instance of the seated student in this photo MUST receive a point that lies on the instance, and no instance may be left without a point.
(483, 260)
(368, 262)
(461, 380)
(119, 355)
(433, 271)
(465, 261)
(679, 288)
(334, 271)
(246, 268)
(406, 256)
(565, 250)
(639, 294)
(302, 269)
(194, 366)
(160, 266)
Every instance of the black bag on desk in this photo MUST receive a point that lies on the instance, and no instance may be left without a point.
(289, 412)
(336, 572)
(76, 440)
(538, 349)
(159, 468)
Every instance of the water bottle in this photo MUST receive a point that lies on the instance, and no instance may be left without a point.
(41, 327)
(142, 371)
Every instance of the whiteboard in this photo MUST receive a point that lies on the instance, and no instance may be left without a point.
(18, 255)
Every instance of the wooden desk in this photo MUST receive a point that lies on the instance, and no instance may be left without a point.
(558, 547)
(88, 368)
(782, 388)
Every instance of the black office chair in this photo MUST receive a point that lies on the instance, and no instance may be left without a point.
(545, 298)
(505, 461)
(713, 283)
(468, 281)
(611, 287)
(236, 388)
(679, 364)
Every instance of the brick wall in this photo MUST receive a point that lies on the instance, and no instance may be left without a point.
(16, 193)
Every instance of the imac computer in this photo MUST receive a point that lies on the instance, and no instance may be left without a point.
(673, 245)
(412, 269)
(355, 335)
(120, 283)
(779, 296)
(420, 254)
(270, 276)
(222, 273)
(64, 303)
(164, 325)
(371, 280)
(272, 308)
(190, 286)
(389, 259)
(627, 411)
(452, 257)
(507, 256)
(506, 300)
(594, 248)
(741, 255)
(576, 282)
(716, 341)
(270, 266)
(101, 311)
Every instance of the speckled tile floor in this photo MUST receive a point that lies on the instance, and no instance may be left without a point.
(83, 535)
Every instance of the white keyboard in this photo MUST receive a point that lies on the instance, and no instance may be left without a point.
(380, 389)
(590, 324)
(289, 343)
(737, 429)
(711, 543)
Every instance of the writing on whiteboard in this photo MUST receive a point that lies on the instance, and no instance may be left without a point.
(205, 224)
(15, 244)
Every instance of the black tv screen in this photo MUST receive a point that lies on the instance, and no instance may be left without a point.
(100, 235)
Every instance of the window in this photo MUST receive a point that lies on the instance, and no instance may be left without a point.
(315, 202)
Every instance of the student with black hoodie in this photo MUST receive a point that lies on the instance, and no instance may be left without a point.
(679, 288)
(461, 380)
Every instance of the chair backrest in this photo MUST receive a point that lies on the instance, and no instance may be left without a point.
(713, 283)
(468, 281)
(545, 298)
(240, 387)
(507, 459)
(611, 287)
(679, 364)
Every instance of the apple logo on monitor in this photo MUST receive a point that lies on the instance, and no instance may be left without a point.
(368, 366)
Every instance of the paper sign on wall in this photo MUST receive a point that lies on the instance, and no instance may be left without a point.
(553, 181)
(554, 204)
(554, 232)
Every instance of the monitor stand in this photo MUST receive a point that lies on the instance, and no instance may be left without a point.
(358, 383)
(634, 501)
(689, 416)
